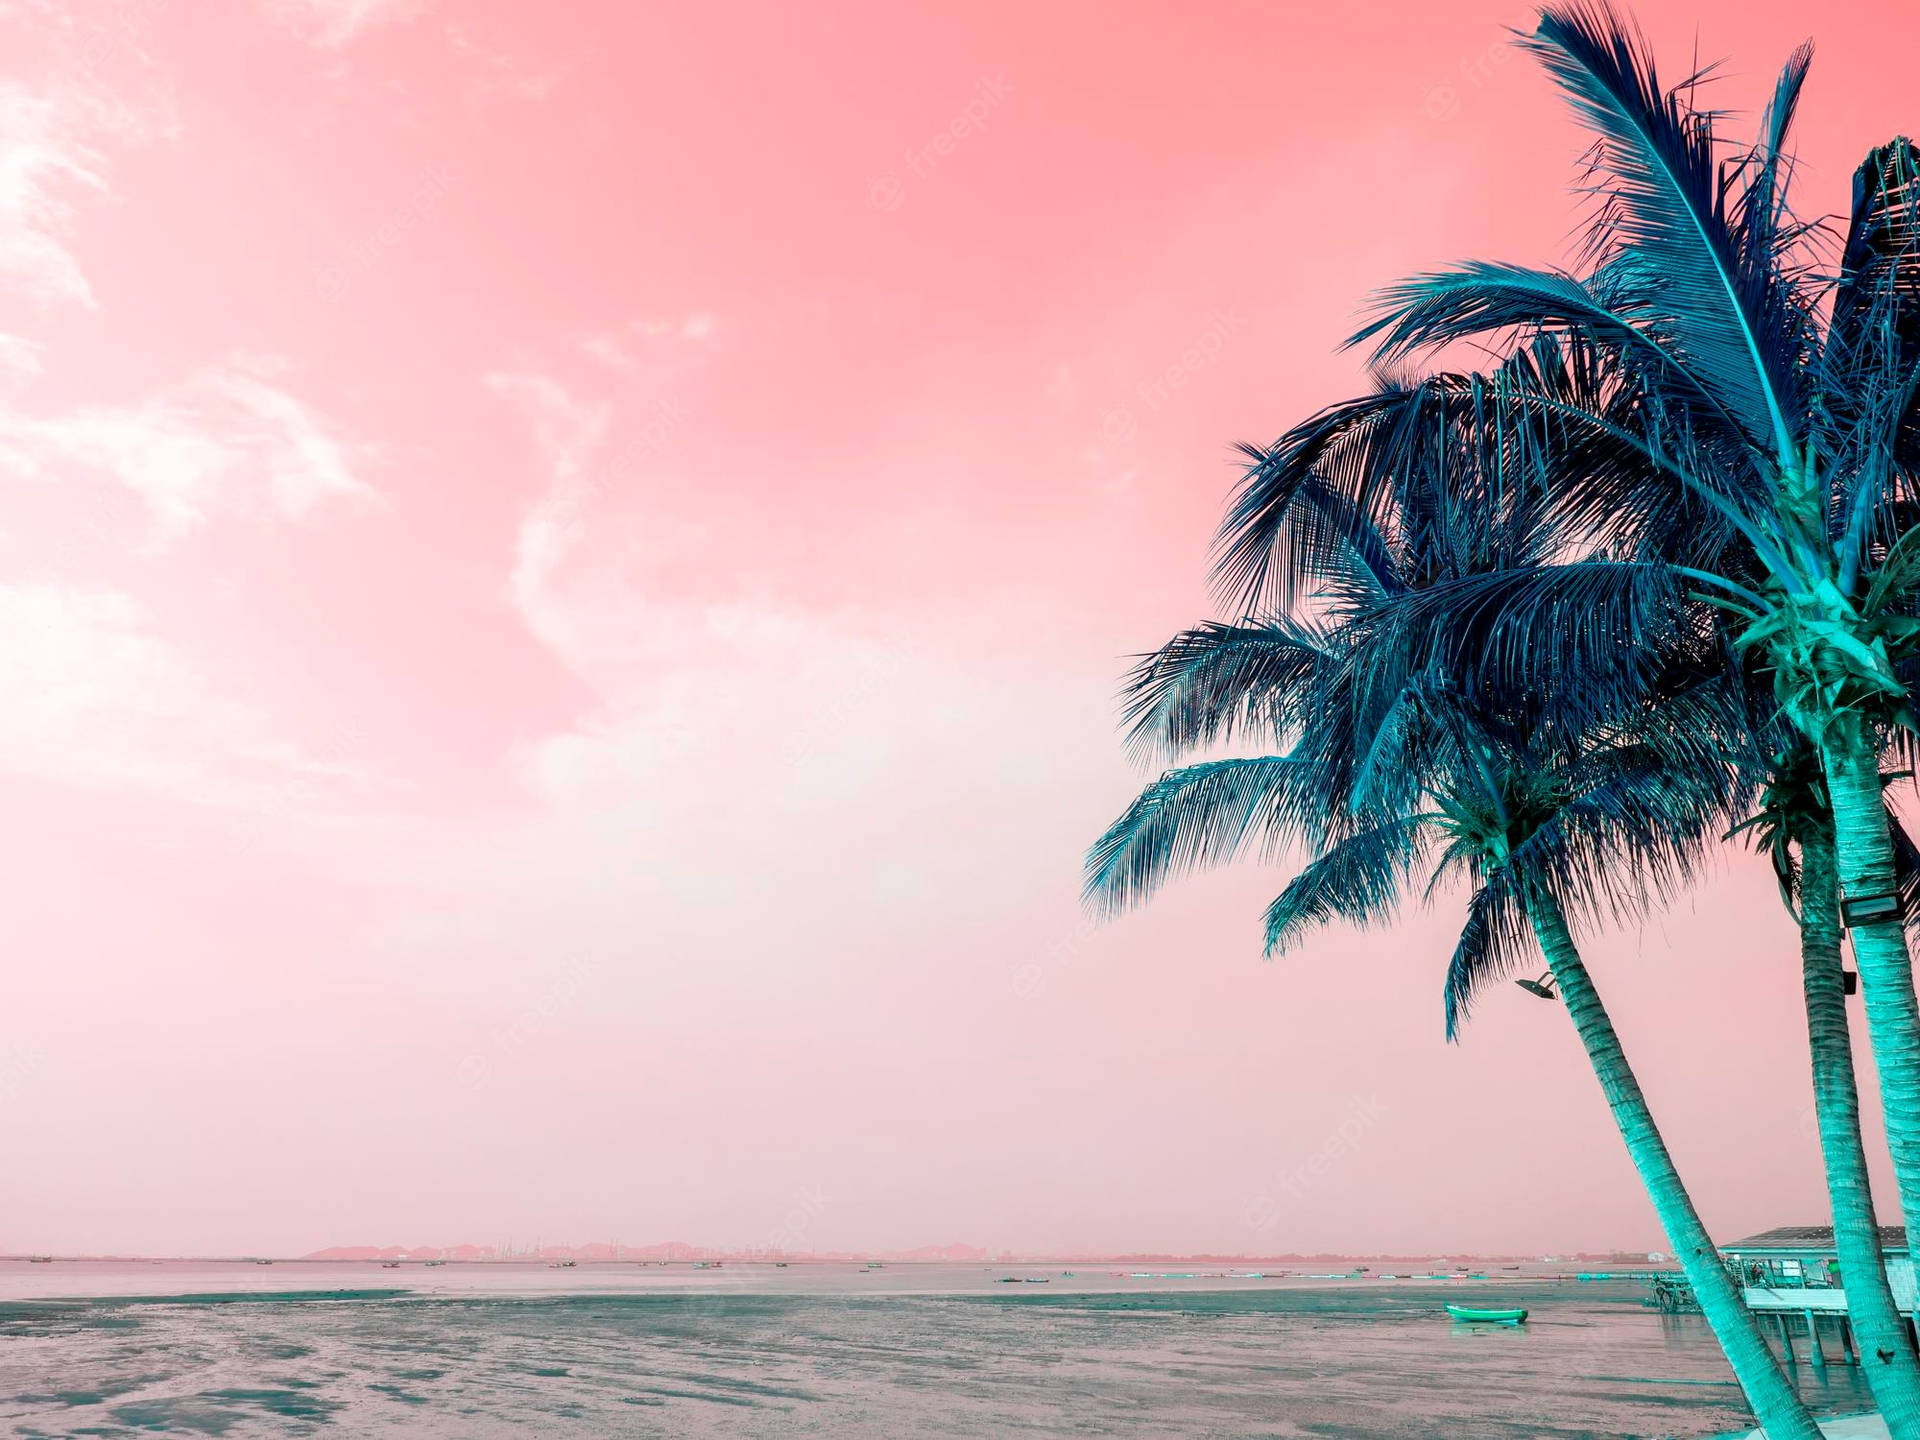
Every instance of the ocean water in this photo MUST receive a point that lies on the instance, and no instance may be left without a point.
(106, 1349)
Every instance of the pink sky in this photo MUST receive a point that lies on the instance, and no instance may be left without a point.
(564, 572)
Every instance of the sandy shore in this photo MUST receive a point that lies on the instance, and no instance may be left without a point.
(1841, 1427)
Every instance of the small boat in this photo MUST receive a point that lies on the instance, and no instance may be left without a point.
(1476, 1315)
(389, 1264)
(1038, 1280)
(40, 1259)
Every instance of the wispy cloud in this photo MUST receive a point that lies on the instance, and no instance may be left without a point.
(656, 348)
(97, 698)
(608, 581)
(499, 73)
(333, 24)
(44, 157)
(227, 440)
(19, 362)
(568, 432)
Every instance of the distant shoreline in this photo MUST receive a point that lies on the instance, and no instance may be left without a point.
(639, 1256)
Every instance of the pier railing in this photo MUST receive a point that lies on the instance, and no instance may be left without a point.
(1785, 1273)
(1674, 1293)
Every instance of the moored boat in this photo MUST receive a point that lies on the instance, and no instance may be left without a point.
(1486, 1317)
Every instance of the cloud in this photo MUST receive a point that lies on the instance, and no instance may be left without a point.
(93, 88)
(224, 440)
(96, 698)
(657, 345)
(334, 24)
(694, 664)
(498, 73)
(568, 433)
(43, 157)
(19, 363)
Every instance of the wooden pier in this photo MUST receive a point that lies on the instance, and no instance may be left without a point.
(1790, 1279)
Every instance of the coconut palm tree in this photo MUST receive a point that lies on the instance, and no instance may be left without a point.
(1752, 429)
(1537, 823)
(1651, 459)
(1795, 827)
(1351, 460)
(1546, 809)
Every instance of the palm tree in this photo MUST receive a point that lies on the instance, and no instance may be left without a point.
(1795, 817)
(1811, 565)
(1543, 806)
(1752, 428)
(1350, 461)
(1538, 823)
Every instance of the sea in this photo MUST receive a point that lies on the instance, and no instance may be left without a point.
(119, 1348)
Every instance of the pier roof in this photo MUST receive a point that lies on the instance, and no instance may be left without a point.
(1812, 1237)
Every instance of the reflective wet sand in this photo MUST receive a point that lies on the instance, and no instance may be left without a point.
(293, 1349)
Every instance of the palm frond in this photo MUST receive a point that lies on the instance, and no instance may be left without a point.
(1666, 213)
(1586, 633)
(1265, 546)
(1215, 682)
(1206, 814)
(1879, 280)
(1495, 941)
(1359, 880)
(1906, 867)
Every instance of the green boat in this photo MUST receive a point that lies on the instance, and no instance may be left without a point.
(1487, 1317)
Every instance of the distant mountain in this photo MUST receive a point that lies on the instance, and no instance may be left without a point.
(955, 1254)
(608, 1250)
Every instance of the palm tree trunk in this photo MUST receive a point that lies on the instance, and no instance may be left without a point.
(1865, 855)
(1774, 1402)
(1886, 1358)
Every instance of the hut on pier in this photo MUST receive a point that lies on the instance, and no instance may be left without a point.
(1794, 1273)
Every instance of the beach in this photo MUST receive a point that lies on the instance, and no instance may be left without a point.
(238, 1349)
